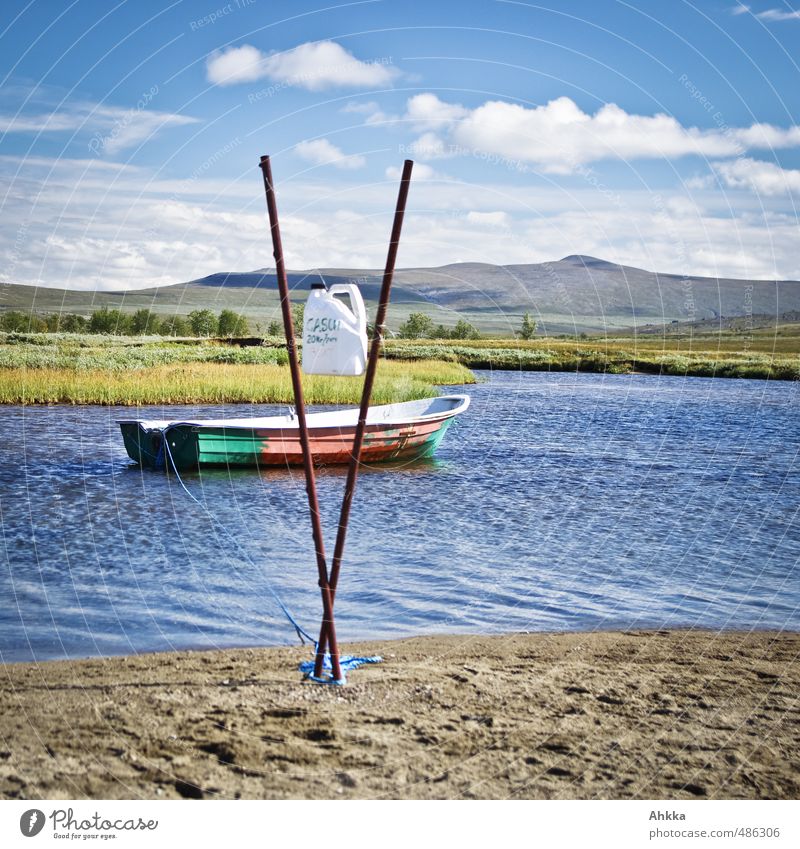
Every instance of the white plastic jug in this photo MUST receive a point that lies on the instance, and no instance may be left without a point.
(334, 336)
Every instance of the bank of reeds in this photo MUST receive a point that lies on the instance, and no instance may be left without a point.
(219, 383)
(607, 358)
(52, 368)
(112, 356)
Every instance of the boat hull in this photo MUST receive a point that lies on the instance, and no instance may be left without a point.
(192, 444)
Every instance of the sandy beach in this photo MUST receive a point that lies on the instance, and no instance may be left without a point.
(666, 714)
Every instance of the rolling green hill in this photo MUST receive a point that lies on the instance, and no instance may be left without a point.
(574, 294)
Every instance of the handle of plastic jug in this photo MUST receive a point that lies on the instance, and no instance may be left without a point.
(356, 301)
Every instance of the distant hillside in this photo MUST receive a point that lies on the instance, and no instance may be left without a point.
(575, 293)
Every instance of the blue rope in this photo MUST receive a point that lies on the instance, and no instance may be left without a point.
(347, 662)
(287, 613)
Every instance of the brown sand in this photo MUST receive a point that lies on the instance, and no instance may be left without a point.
(678, 714)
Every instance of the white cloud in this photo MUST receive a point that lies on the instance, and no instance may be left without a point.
(421, 172)
(96, 225)
(699, 182)
(114, 128)
(778, 15)
(135, 127)
(323, 152)
(314, 66)
(559, 137)
(64, 162)
(767, 14)
(374, 114)
(54, 122)
(492, 219)
(427, 111)
(767, 136)
(370, 107)
(765, 178)
(430, 146)
(235, 65)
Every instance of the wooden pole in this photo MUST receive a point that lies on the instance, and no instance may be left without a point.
(326, 635)
(300, 407)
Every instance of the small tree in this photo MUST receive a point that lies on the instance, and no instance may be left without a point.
(275, 327)
(105, 320)
(231, 324)
(440, 332)
(72, 323)
(174, 325)
(464, 330)
(298, 314)
(15, 321)
(418, 326)
(38, 324)
(203, 322)
(143, 322)
(528, 327)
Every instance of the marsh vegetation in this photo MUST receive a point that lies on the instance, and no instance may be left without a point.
(113, 369)
(74, 369)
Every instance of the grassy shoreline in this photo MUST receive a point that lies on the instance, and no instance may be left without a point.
(84, 369)
(599, 356)
(219, 383)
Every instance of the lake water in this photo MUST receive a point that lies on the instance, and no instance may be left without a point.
(558, 501)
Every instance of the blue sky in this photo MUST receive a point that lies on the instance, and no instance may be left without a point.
(661, 135)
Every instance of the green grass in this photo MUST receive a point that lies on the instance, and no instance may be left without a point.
(77, 369)
(779, 339)
(619, 356)
(113, 354)
(219, 383)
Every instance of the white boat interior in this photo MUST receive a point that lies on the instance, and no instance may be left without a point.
(406, 412)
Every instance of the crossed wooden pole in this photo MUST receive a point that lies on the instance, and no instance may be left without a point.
(328, 582)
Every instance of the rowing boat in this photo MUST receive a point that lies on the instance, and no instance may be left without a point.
(405, 431)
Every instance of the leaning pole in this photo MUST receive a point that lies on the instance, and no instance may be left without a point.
(327, 634)
(328, 625)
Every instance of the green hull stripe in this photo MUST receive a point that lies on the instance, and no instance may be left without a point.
(190, 447)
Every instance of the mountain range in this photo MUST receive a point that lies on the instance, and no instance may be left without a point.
(578, 292)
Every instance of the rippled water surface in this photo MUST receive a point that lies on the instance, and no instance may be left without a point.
(556, 502)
